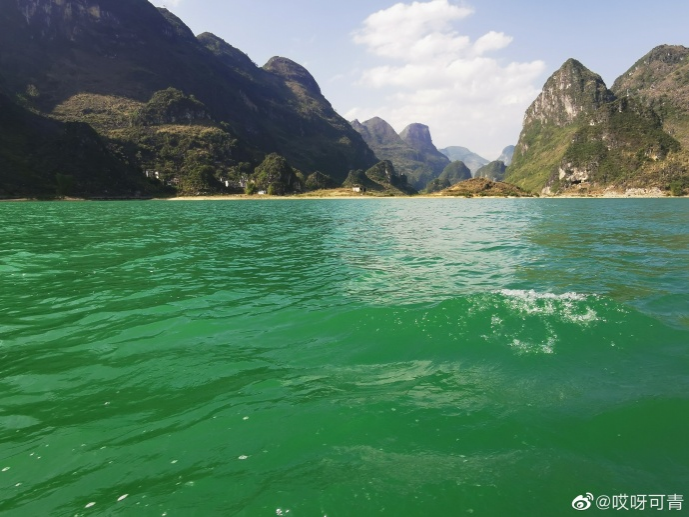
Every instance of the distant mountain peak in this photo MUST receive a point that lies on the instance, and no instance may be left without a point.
(291, 71)
(377, 131)
(412, 152)
(178, 25)
(229, 54)
(572, 90)
(418, 136)
(470, 159)
(506, 155)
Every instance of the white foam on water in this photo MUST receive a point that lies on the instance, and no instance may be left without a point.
(122, 497)
(533, 295)
(90, 505)
(524, 347)
(561, 306)
(243, 457)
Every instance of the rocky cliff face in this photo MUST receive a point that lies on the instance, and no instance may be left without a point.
(50, 19)
(660, 80)
(570, 92)
(418, 136)
(377, 133)
(655, 74)
(412, 152)
(578, 137)
(616, 143)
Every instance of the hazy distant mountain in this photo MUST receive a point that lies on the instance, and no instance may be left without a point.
(470, 159)
(412, 152)
(506, 155)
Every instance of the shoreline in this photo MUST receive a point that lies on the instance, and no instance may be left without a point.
(284, 198)
(244, 197)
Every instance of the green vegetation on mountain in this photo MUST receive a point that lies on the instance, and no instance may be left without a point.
(542, 148)
(578, 137)
(382, 179)
(171, 135)
(614, 144)
(455, 172)
(40, 157)
(275, 176)
(118, 65)
(319, 181)
(550, 122)
(660, 80)
(493, 171)
(171, 106)
(412, 152)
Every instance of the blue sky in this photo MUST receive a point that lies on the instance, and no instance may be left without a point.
(466, 69)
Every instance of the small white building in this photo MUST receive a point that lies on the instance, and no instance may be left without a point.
(356, 189)
(262, 192)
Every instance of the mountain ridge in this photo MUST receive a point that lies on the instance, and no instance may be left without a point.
(412, 151)
(580, 137)
(53, 52)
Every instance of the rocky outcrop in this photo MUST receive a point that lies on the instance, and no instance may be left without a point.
(483, 187)
(418, 136)
(613, 144)
(569, 95)
(660, 81)
(570, 92)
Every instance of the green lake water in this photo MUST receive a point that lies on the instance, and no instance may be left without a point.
(338, 358)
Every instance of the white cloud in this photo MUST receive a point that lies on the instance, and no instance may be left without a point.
(435, 75)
